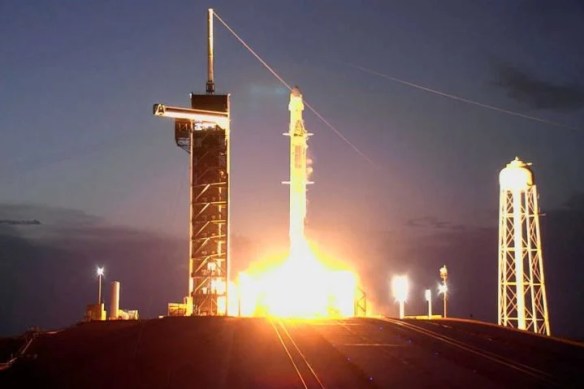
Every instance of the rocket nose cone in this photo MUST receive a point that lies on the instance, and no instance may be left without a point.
(295, 92)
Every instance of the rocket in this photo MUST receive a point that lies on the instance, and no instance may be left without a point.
(298, 168)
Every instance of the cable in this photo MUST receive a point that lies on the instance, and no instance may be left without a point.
(253, 52)
(310, 107)
(340, 135)
(464, 100)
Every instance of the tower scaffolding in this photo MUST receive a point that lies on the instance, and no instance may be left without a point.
(522, 300)
(203, 132)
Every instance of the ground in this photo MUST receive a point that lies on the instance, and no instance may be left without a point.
(214, 352)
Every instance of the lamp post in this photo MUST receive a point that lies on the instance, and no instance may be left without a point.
(100, 272)
(429, 300)
(443, 288)
(399, 287)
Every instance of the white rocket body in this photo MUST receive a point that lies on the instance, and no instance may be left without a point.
(298, 169)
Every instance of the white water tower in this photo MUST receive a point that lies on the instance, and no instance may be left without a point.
(522, 296)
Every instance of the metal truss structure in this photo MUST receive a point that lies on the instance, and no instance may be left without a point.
(203, 132)
(522, 301)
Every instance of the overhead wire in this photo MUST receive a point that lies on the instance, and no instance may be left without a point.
(309, 106)
(462, 99)
(340, 135)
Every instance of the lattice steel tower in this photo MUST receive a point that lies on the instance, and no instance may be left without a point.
(203, 132)
(522, 295)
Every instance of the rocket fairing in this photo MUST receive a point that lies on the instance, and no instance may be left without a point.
(298, 168)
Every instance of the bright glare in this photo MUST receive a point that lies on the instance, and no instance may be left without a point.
(399, 288)
(516, 176)
(100, 271)
(442, 288)
(301, 287)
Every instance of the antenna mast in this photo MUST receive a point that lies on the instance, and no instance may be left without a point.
(210, 81)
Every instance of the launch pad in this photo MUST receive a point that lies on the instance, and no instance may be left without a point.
(221, 352)
(203, 131)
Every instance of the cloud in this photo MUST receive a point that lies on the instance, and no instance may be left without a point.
(549, 17)
(536, 93)
(432, 222)
(46, 215)
(471, 256)
(267, 90)
(469, 252)
(20, 222)
(575, 203)
(563, 249)
(47, 270)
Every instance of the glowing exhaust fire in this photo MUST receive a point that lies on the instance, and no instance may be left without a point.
(302, 286)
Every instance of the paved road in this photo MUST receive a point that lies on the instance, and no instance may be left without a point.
(263, 353)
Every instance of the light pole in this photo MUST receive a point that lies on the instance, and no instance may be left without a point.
(399, 287)
(99, 276)
(443, 288)
(429, 300)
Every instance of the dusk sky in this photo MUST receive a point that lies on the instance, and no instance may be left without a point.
(81, 152)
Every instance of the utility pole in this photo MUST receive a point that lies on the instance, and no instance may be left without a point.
(100, 272)
(444, 287)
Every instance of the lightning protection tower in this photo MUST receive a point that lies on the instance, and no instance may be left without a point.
(203, 132)
(522, 295)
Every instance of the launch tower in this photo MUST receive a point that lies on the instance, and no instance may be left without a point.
(522, 295)
(203, 132)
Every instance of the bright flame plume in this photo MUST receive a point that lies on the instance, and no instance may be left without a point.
(303, 286)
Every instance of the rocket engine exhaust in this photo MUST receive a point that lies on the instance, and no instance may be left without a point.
(303, 286)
